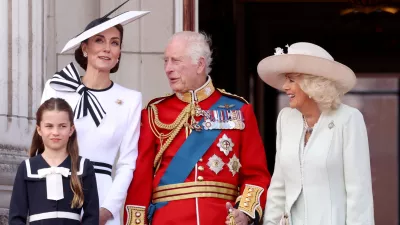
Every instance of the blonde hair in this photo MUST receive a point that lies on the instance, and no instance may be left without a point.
(326, 93)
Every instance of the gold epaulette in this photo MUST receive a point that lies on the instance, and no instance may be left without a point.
(232, 95)
(135, 215)
(159, 99)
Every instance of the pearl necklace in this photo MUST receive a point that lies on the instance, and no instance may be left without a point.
(308, 128)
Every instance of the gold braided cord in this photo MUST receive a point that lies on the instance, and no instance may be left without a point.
(175, 127)
(153, 126)
(156, 123)
(172, 125)
(157, 160)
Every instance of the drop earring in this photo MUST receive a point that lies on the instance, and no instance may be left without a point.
(84, 54)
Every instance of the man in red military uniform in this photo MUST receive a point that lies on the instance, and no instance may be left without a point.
(200, 152)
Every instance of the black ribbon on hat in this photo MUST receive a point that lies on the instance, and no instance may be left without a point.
(115, 9)
(68, 80)
(102, 19)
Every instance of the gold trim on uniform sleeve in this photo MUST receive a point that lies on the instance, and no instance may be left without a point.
(238, 199)
(136, 215)
(260, 211)
(250, 201)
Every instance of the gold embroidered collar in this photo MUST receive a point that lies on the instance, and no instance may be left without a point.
(198, 95)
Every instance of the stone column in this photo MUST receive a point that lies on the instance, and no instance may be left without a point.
(37, 57)
(3, 96)
(21, 65)
(4, 63)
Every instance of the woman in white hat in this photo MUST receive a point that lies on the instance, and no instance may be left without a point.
(322, 168)
(107, 115)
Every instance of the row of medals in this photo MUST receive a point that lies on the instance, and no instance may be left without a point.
(211, 123)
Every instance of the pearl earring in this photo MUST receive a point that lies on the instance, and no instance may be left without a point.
(309, 96)
(84, 54)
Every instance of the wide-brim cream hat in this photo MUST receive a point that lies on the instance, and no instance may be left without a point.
(304, 58)
(101, 24)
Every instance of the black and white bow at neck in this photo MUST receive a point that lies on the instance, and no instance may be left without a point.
(68, 80)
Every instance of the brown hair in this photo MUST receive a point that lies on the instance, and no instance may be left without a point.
(83, 61)
(37, 146)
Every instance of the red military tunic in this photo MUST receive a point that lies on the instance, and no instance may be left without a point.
(233, 166)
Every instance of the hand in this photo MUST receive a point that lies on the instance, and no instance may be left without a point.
(105, 215)
(238, 217)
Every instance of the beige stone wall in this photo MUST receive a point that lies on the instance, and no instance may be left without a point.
(141, 65)
(34, 34)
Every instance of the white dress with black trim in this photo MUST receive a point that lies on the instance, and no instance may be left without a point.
(36, 187)
(107, 123)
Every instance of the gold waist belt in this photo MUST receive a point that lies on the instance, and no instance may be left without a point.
(201, 189)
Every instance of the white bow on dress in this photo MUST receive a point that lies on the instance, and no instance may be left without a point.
(54, 184)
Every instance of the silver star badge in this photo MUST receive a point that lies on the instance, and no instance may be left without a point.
(234, 165)
(225, 144)
(215, 163)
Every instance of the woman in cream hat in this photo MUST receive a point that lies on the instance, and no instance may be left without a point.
(322, 169)
(107, 115)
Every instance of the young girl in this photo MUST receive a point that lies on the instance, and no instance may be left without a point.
(55, 184)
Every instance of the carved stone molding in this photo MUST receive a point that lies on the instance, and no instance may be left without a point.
(3, 216)
(10, 158)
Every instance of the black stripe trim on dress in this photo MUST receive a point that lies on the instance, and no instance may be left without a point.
(102, 171)
(102, 164)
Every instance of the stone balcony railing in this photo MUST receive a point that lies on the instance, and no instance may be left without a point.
(10, 159)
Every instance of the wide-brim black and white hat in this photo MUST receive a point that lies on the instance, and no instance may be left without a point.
(304, 58)
(103, 24)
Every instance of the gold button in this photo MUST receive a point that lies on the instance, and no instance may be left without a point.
(245, 204)
(247, 199)
(137, 221)
(200, 178)
(249, 194)
(138, 214)
(201, 160)
(200, 168)
(250, 190)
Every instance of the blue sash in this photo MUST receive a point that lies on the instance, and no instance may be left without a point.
(195, 146)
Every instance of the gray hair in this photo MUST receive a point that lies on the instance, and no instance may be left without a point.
(198, 46)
